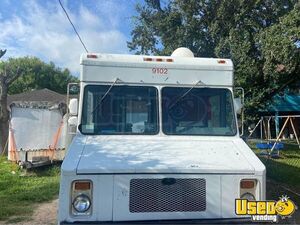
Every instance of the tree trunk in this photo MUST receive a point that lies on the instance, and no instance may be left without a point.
(4, 136)
(4, 114)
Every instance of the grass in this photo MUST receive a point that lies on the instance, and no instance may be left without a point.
(20, 190)
(286, 168)
(283, 175)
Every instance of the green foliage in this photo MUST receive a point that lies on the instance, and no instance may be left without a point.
(160, 31)
(281, 54)
(37, 75)
(21, 190)
(258, 35)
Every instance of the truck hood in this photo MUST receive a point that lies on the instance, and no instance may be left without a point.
(127, 155)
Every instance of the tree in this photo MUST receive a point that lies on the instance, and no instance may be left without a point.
(249, 45)
(2, 53)
(40, 75)
(236, 29)
(18, 75)
(160, 30)
(8, 75)
(280, 48)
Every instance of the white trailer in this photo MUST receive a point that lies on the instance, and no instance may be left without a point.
(157, 139)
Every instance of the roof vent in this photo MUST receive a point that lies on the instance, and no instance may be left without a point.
(183, 52)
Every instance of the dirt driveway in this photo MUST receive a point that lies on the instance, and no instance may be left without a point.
(44, 214)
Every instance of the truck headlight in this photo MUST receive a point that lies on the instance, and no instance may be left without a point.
(248, 196)
(81, 203)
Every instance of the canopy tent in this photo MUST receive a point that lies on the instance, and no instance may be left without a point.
(37, 126)
(286, 103)
(279, 120)
(283, 105)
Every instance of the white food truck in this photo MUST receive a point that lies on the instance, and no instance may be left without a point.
(157, 140)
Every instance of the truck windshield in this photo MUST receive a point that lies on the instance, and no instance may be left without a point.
(202, 111)
(125, 110)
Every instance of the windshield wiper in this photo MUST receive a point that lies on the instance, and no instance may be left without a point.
(104, 96)
(184, 94)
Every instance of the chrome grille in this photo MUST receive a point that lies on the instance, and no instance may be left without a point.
(167, 195)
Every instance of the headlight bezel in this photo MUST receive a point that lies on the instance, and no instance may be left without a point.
(82, 197)
(85, 191)
(249, 186)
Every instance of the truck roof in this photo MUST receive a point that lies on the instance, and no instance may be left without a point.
(98, 67)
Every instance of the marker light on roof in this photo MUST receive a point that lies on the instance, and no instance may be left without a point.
(92, 56)
(221, 61)
(148, 59)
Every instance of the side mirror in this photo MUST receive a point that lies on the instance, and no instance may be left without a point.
(73, 107)
(238, 105)
(239, 108)
(73, 120)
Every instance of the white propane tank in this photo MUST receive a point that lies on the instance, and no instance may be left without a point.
(183, 52)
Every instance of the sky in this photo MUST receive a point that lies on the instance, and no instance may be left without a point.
(40, 28)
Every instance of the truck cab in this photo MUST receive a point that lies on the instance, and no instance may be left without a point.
(157, 140)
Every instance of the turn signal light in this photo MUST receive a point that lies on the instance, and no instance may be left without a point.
(247, 184)
(82, 185)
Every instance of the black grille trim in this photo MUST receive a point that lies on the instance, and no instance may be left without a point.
(156, 195)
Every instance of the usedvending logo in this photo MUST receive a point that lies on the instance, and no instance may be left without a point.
(265, 211)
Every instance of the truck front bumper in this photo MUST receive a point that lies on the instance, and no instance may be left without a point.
(166, 222)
